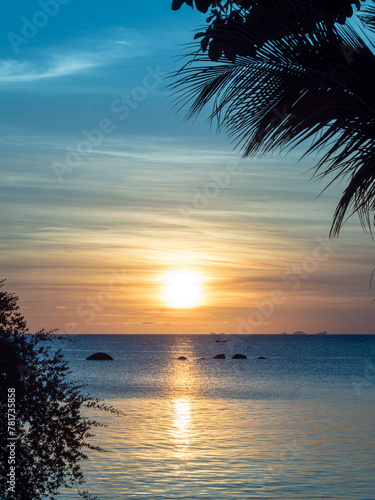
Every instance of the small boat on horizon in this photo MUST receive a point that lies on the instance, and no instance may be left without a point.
(222, 338)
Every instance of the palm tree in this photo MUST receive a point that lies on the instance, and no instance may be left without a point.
(280, 73)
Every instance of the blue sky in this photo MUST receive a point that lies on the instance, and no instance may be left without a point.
(133, 202)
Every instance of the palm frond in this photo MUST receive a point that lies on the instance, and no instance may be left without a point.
(367, 16)
(315, 86)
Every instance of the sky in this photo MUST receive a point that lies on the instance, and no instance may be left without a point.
(106, 190)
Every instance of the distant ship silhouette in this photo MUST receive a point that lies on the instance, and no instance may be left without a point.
(222, 338)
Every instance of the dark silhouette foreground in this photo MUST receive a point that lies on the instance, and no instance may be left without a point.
(281, 73)
(49, 432)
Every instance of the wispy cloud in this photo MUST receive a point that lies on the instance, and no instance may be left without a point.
(103, 49)
(26, 71)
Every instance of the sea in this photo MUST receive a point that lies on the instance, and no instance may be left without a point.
(298, 424)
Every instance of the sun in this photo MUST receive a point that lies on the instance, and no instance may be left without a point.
(182, 289)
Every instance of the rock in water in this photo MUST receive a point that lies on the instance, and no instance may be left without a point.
(182, 357)
(262, 357)
(239, 356)
(219, 356)
(102, 356)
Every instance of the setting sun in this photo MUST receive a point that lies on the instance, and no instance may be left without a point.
(182, 289)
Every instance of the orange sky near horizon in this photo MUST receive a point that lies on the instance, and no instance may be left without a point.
(88, 230)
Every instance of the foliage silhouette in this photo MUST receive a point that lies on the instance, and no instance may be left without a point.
(278, 73)
(50, 430)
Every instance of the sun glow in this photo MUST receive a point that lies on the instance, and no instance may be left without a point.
(183, 289)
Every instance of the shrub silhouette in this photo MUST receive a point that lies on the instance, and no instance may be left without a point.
(49, 430)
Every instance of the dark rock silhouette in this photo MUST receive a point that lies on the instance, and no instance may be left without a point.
(102, 356)
(219, 356)
(202, 358)
(239, 356)
(182, 357)
(261, 357)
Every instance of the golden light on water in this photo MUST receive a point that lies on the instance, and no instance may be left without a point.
(182, 289)
(182, 417)
(182, 423)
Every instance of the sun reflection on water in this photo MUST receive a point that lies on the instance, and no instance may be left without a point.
(181, 429)
(183, 386)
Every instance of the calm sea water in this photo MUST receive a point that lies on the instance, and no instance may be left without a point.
(297, 425)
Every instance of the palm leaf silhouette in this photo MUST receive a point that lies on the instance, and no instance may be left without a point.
(313, 87)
